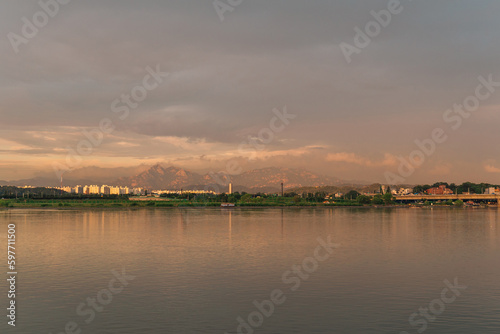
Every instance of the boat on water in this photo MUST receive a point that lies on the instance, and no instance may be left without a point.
(227, 205)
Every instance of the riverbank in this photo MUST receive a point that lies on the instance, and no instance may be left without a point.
(103, 203)
(125, 203)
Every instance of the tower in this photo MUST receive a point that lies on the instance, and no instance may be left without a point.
(230, 188)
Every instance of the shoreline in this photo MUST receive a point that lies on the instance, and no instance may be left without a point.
(112, 203)
(102, 207)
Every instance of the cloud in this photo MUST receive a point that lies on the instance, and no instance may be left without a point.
(491, 169)
(352, 158)
(441, 169)
(226, 78)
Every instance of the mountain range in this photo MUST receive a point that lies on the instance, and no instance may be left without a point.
(265, 179)
(163, 177)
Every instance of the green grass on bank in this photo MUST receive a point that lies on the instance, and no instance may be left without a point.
(172, 203)
(124, 203)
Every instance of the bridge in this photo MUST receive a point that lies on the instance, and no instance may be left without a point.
(453, 197)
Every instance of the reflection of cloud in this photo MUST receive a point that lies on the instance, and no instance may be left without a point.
(352, 158)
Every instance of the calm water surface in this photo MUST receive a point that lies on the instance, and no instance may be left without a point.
(199, 270)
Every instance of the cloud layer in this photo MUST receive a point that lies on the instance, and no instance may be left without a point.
(225, 78)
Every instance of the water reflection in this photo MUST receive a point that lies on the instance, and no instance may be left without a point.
(199, 269)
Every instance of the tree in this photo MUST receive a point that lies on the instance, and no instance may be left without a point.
(320, 196)
(437, 184)
(363, 199)
(388, 199)
(246, 198)
(378, 200)
(459, 202)
(353, 194)
(421, 189)
(223, 197)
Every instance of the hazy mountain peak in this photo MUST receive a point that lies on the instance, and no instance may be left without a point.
(159, 176)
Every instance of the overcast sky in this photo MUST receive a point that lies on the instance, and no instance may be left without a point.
(225, 77)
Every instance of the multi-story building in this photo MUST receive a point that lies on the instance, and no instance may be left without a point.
(492, 191)
(94, 190)
(105, 190)
(441, 190)
(138, 191)
(405, 191)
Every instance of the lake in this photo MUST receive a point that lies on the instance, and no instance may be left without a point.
(255, 270)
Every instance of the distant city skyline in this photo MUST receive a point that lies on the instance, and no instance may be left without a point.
(284, 83)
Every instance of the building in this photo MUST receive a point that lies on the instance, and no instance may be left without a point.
(78, 190)
(69, 190)
(106, 190)
(441, 190)
(138, 191)
(492, 191)
(94, 190)
(160, 192)
(405, 191)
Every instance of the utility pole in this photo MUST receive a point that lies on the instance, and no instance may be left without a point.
(282, 190)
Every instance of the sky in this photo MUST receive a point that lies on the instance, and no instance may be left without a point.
(336, 87)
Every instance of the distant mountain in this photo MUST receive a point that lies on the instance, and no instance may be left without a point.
(103, 175)
(162, 177)
(372, 188)
(361, 188)
(80, 176)
(41, 181)
(265, 180)
(158, 177)
(272, 177)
